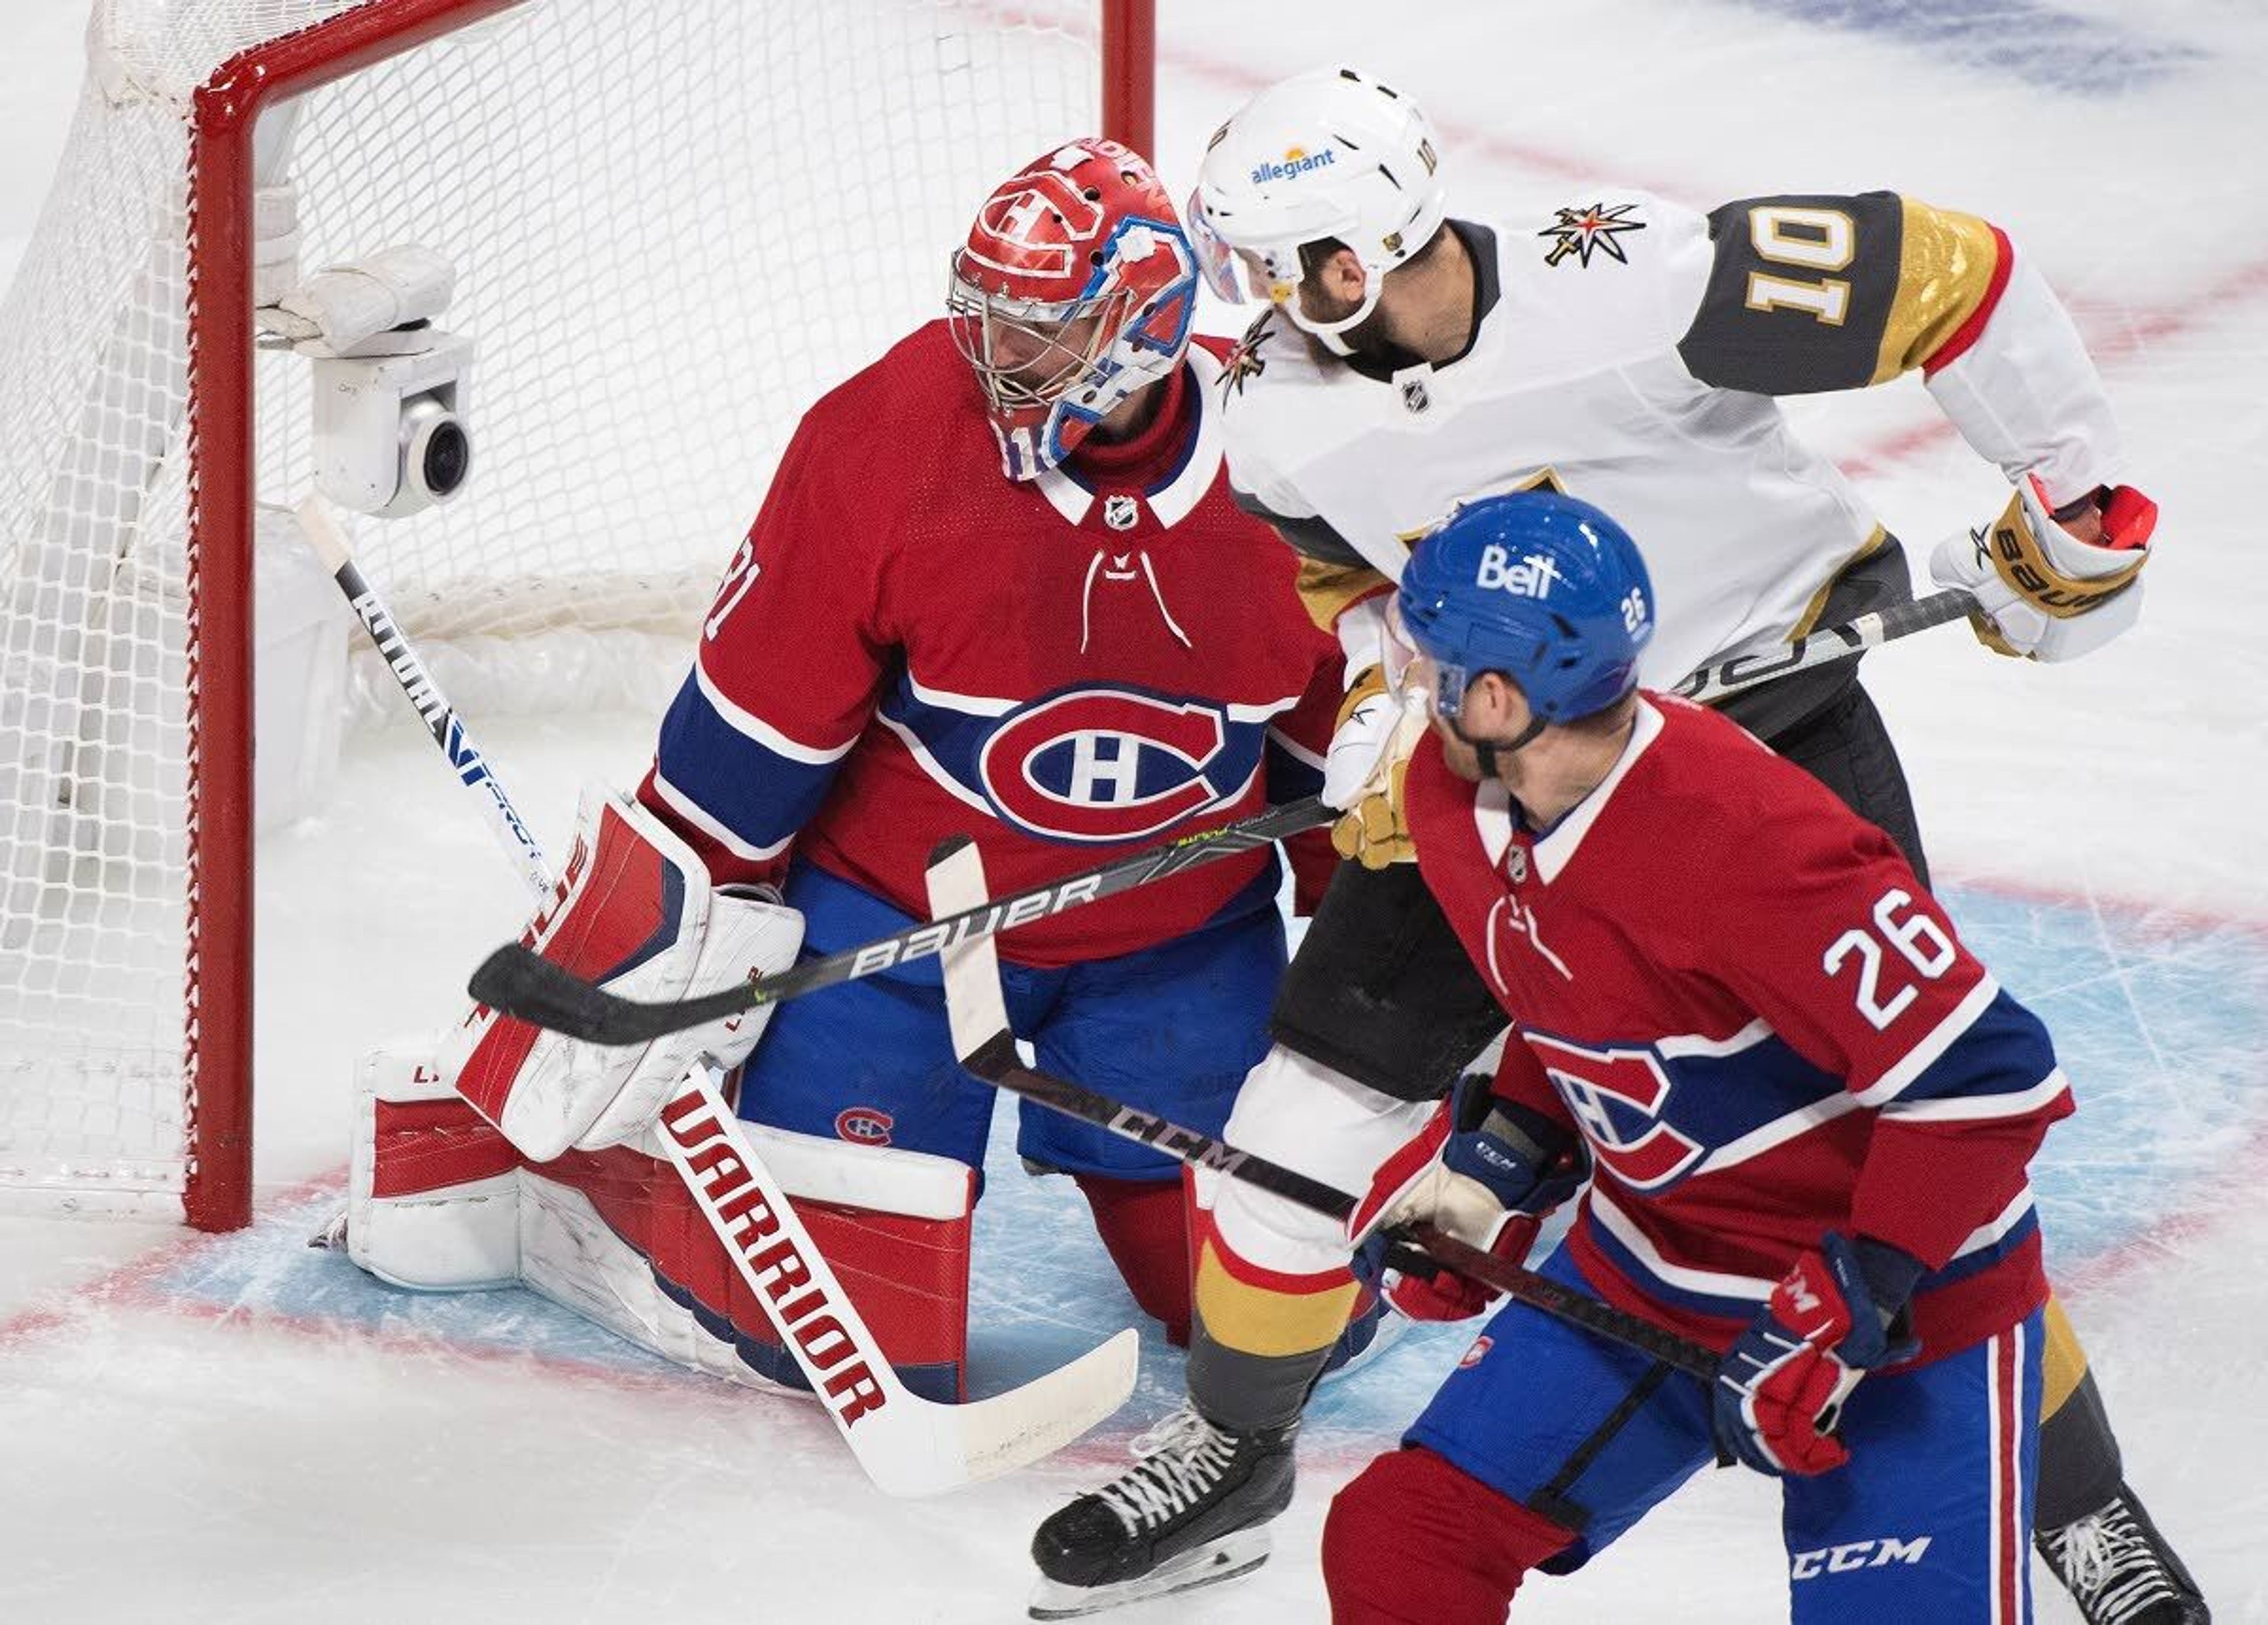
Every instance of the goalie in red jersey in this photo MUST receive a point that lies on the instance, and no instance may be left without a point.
(1069, 662)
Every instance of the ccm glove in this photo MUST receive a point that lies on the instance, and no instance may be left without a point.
(2042, 594)
(1835, 1316)
(1503, 1168)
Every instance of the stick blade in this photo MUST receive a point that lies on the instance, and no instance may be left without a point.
(523, 984)
(973, 1004)
(1029, 1424)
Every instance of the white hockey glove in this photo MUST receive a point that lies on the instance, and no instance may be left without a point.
(2043, 593)
(637, 913)
(1364, 771)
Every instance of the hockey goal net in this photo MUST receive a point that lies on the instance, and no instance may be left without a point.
(672, 226)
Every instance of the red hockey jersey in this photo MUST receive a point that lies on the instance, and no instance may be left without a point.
(907, 645)
(1762, 1025)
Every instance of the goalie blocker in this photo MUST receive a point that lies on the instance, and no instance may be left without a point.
(440, 1201)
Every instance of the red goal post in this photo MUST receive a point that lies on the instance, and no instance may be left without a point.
(89, 795)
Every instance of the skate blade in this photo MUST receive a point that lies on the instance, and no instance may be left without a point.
(1238, 1553)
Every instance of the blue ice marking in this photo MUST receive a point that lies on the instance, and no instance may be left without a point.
(2054, 49)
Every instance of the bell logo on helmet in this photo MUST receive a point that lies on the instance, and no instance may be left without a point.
(1529, 577)
(1297, 161)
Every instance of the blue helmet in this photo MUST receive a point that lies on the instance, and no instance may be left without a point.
(1542, 588)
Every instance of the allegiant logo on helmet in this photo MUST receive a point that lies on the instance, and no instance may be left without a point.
(1297, 161)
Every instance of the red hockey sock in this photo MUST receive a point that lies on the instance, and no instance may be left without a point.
(1143, 1226)
(1414, 1541)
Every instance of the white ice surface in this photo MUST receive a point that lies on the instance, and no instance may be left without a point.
(243, 1431)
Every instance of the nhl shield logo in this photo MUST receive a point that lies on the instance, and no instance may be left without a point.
(1515, 862)
(1119, 512)
(1414, 396)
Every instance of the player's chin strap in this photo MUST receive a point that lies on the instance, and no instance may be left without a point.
(1490, 751)
(908, 1445)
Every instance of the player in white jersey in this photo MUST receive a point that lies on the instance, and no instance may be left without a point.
(1625, 350)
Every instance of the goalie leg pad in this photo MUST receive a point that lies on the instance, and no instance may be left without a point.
(439, 1201)
(894, 1226)
(434, 1189)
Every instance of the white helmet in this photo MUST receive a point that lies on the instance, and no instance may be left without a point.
(1331, 153)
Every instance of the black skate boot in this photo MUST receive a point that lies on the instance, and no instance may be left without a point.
(1191, 1510)
(2120, 1570)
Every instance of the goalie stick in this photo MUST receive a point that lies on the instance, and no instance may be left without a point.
(908, 1446)
(322, 529)
(520, 983)
(979, 1016)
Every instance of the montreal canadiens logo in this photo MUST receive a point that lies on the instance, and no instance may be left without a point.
(1105, 764)
(863, 1125)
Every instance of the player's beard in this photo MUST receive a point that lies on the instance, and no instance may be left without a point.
(1366, 338)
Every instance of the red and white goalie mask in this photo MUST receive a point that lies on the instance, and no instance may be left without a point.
(1076, 288)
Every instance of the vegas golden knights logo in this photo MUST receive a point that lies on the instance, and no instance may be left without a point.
(1584, 231)
(1246, 361)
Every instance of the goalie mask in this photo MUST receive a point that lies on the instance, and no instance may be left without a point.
(1075, 288)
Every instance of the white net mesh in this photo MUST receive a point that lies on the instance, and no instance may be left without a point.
(673, 226)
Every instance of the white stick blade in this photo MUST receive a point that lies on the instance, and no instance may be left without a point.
(973, 1004)
(1026, 1424)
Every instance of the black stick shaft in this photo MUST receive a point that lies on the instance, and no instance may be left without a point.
(520, 983)
(997, 1063)
(1554, 1298)
(1824, 647)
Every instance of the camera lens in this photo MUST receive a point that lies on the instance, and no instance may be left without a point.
(448, 458)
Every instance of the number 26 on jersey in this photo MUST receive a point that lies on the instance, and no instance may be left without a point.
(1914, 938)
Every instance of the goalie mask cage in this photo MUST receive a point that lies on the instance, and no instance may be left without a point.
(673, 226)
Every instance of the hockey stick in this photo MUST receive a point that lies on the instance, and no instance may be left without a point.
(981, 1037)
(1734, 672)
(520, 983)
(908, 1446)
(322, 532)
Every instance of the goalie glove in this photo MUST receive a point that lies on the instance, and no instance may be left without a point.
(2042, 592)
(1838, 1314)
(636, 914)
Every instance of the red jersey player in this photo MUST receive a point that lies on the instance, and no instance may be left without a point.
(1095, 651)
(1807, 1109)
